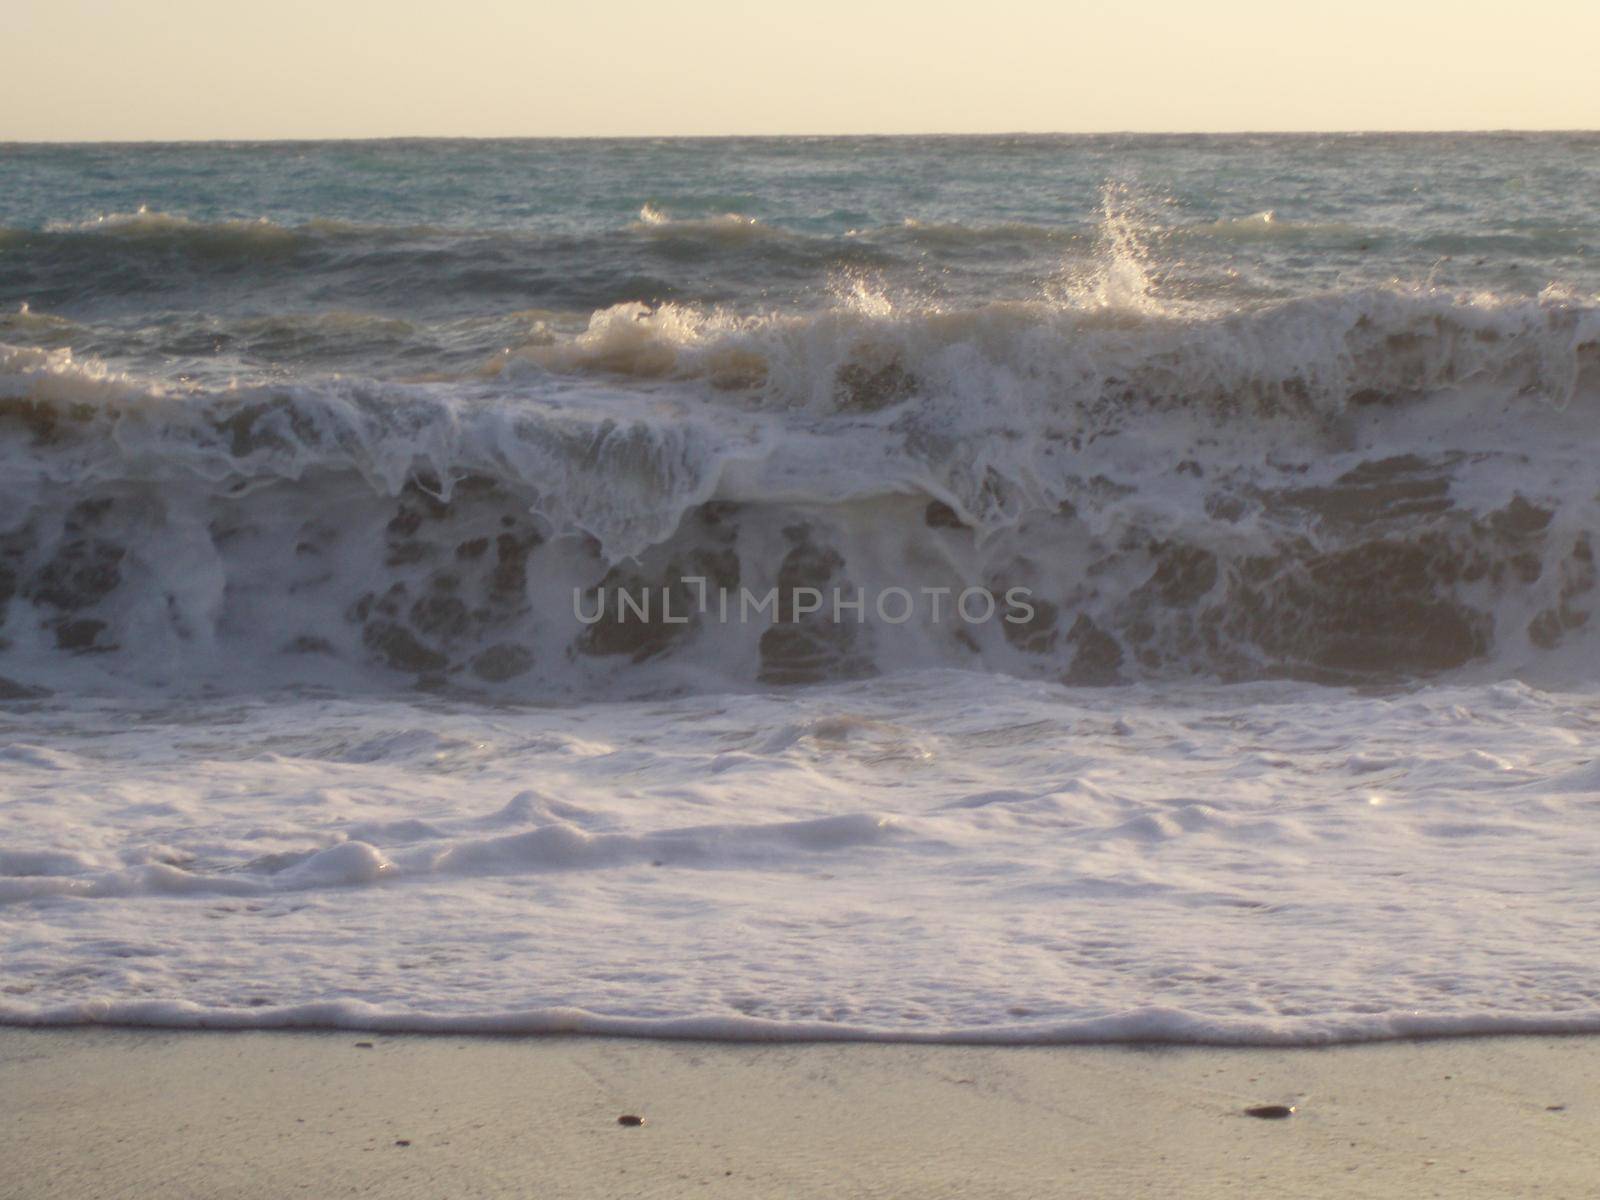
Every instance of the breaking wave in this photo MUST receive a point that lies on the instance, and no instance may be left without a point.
(1354, 487)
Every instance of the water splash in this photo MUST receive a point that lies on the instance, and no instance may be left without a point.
(1125, 272)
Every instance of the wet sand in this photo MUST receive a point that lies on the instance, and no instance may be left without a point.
(110, 1113)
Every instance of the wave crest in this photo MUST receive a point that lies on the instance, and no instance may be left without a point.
(1352, 487)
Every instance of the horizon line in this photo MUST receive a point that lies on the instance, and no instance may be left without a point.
(707, 137)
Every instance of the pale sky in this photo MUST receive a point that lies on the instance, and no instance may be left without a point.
(159, 69)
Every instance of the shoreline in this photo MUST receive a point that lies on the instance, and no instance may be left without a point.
(1143, 1030)
(95, 1111)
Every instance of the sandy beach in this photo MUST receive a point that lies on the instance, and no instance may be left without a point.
(103, 1112)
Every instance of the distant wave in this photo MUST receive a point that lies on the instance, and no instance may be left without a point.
(145, 222)
(957, 234)
(726, 226)
(167, 258)
(1268, 225)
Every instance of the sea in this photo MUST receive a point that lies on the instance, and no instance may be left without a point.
(1010, 589)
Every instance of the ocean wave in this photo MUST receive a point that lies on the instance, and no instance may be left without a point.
(1352, 487)
(1319, 356)
(1268, 225)
(414, 270)
(729, 227)
(148, 223)
(956, 234)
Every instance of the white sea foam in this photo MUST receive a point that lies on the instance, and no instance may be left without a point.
(945, 856)
(1222, 495)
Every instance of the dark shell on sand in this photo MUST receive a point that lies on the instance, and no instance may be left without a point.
(1270, 1112)
(630, 1119)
